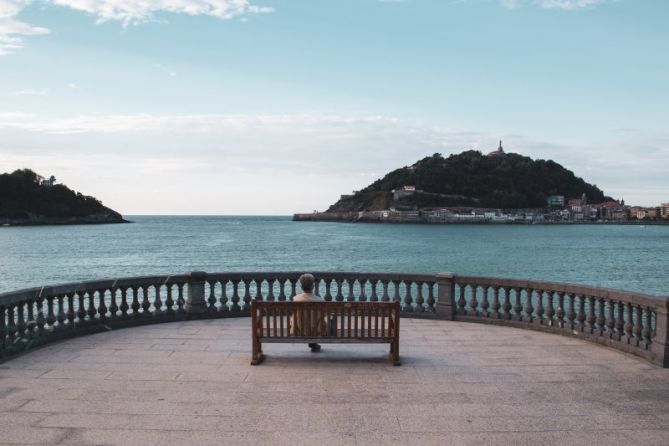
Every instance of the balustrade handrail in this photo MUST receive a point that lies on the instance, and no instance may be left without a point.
(633, 322)
(595, 291)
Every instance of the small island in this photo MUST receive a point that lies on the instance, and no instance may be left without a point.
(473, 187)
(27, 198)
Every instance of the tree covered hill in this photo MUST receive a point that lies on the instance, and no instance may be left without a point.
(472, 179)
(24, 200)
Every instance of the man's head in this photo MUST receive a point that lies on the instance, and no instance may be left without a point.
(307, 282)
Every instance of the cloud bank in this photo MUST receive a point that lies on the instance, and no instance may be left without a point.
(279, 164)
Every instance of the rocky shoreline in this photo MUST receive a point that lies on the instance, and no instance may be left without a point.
(62, 221)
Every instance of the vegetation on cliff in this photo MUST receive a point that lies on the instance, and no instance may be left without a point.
(24, 199)
(472, 179)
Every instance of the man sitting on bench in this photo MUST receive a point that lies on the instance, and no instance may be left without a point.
(307, 283)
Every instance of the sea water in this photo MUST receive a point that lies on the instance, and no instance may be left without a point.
(624, 257)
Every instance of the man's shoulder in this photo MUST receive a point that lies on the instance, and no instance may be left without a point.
(307, 297)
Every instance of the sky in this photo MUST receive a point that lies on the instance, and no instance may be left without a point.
(270, 107)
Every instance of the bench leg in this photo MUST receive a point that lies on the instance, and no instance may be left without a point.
(394, 354)
(257, 356)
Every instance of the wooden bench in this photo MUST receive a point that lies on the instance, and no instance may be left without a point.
(325, 323)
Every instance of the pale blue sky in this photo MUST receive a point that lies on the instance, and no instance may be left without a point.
(276, 106)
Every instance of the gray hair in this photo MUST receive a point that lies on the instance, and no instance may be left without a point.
(307, 282)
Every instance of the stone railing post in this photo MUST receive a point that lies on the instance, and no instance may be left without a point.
(446, 288)
(660, 345)
(195, 302)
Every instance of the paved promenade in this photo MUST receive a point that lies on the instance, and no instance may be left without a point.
(460, 383)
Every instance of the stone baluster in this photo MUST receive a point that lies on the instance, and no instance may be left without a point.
(60, 315)
(638, 325)
(420, 300)
(529, 310)
(102, 304)
(50, 314)
(135, 305)
(71, 315)
(224, 299)
(539, 310)
(181, 301)
(485, 304)
(408, 298)
(3, 330)
(620, 321)
(169, 301)
(473, 302)
(430, 298)
(113, 305)
(601, 318)
(517, 305)
(246, 298)
(157, 300)
(340, 296)
(282, 290)
(611, 319)
(506, 306)
(211, 300)
(647, 327)
(351, 294)
(41, 319)
(396, 291)
(385, 297)
(293, 286)
(559, 312)
(550, 308)
(462, 302)
(270, 289)
(495, 314)
(571, 315)
(629, 325)
(363, 290)
(146, 303)
(235, 295)
(124, 302)
(328, 290)
(11, 328)
(81, 306)
(374, 297)
(20, 319)
(590, 319)
(30, 321)
(581, 313)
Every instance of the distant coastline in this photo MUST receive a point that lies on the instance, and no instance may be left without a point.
(375, 217)
(56, 221)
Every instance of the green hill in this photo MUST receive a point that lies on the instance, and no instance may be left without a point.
(472, 179)
(24, 200)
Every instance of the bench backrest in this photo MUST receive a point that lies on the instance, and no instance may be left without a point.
(345, 320)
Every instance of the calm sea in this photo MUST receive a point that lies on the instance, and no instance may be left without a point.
(624, 257)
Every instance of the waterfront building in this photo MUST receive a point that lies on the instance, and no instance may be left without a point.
(664, 210)
(405, 191)
(555, 201)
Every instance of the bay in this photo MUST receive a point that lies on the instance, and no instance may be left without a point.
(624, 257)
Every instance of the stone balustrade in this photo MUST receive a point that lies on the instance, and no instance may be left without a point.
(632, 322)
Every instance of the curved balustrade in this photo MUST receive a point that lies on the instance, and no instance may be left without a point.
(632, 322)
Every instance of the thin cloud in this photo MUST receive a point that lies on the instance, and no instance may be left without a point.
(32, 92)
(569, 5)
(128, 12)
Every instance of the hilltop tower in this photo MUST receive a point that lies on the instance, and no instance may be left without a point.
(499, 151)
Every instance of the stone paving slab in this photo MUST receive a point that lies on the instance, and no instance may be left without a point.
(460, 384)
